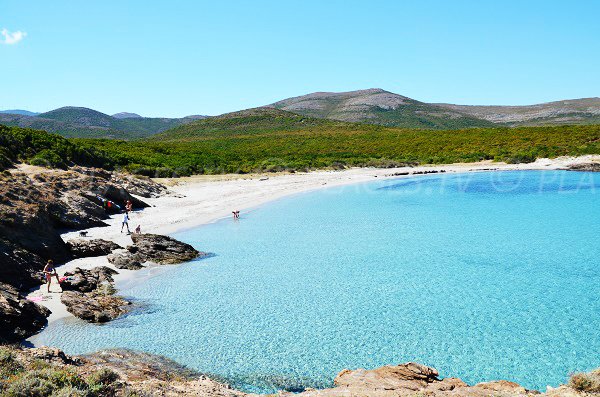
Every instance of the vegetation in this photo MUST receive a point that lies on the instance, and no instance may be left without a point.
(263, 139)
(40, 379)
(273, 140)
(586, 382)
(45, 149)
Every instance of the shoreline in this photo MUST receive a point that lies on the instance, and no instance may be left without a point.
(199, 200)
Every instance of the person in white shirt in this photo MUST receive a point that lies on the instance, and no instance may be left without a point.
(125, 222)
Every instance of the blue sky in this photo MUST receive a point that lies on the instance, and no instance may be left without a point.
(174, 58)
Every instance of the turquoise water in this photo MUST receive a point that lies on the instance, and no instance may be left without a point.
(483, 276)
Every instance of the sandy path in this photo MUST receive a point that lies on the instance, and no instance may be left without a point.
(200, 200)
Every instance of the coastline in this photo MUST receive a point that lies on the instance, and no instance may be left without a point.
(199, 200)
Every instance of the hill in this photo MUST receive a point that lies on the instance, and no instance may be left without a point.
(376, 106)
(126, 115)
(574, 111)
(79, 122)
(267, 139)
(19, 111)
(245, 122)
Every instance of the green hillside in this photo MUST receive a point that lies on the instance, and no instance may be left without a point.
(78, 122)
(270, 140)
(45, 149)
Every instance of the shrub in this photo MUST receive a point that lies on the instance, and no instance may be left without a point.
(8, 364)
(587, 382)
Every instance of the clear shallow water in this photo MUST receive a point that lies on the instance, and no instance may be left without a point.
(483, 276)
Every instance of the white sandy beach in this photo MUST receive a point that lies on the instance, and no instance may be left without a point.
(199, 200)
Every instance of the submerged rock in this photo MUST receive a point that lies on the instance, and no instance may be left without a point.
(81, 248)
(19, 317)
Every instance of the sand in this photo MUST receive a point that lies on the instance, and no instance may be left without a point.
(198, 200)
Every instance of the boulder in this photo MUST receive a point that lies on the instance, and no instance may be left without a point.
(81, 248)
(19, 317)
(161, 249)
(124, 261)
(94, 307)
(84, 280)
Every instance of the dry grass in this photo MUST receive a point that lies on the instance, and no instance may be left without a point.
(587, 382)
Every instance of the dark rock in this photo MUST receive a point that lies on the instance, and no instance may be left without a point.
(162, 249)
(119, 195)
(590, 167)
(81, 248)
(124, 261)
(19, 317)
(94, 307)
(84, 280)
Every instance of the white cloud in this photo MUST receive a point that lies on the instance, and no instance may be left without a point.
(11, 37)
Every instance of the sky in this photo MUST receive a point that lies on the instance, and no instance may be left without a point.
(176, 58)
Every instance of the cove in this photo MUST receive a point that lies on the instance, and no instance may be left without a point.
(484, 276)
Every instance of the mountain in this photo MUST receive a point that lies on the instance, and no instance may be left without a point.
(574, 111)
(80, 122)
(377, 106)
(126, 115)
(19, 111)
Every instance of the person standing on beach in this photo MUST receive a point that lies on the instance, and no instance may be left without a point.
(125, 222)
(128, 206)
(50, 271)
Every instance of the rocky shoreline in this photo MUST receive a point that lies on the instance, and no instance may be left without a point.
(130, 373)
(37, 207)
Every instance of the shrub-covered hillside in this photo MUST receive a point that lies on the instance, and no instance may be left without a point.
(46, 149)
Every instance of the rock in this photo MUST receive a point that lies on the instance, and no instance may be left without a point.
(94, 307)
(52, 355)
(590, 167)
(19, 317)
(410, 379)
(162, 249)
(84, 280)
(124, 261)
(81, 248)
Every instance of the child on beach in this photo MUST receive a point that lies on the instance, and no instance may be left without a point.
(50, 271)
(236, 214)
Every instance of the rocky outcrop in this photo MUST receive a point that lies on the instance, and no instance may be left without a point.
(163, 250)
(81, 248)
(124, 261)
(590, 167)
(146, 374)
(155, 248)
(94, 307)
(35, 207)
(411, 379)
(89, 295)
(84, 280)
(19, 317)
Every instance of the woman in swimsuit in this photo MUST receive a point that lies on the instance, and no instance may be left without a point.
(50, 271)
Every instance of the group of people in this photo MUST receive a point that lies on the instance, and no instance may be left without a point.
(50, 270)
(125, 221)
